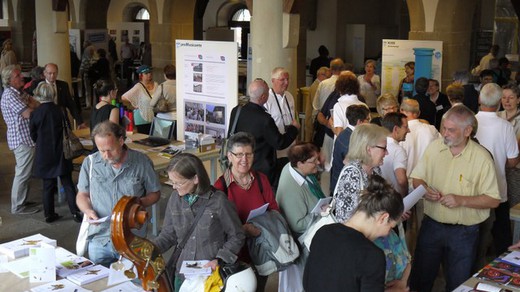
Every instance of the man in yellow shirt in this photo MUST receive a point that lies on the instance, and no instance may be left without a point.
(461, 184)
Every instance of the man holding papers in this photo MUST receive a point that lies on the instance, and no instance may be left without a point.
(104, 178)
(461, 184)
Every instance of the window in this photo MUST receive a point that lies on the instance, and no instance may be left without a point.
(239, 23)
(142, 14)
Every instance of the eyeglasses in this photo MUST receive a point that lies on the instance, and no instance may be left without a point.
(381, 147)
(178, 185)
(315, 161)
(241, 155)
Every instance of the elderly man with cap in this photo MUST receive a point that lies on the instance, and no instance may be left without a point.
(139, 96)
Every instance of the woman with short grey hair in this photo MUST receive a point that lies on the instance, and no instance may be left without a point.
(46, 126)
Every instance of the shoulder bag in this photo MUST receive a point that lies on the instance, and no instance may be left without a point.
(172, 262)
(162, 104)
(222, 158)
(72, 147)
(139, 118)
(81, 242)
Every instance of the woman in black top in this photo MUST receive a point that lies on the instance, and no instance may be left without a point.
(106, 91)
(342, 256)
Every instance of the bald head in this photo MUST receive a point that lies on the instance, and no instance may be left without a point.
(336, 66)
(410, 107)
(258, 91)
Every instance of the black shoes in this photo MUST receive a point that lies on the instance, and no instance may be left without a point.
(53, 218)
(78, 217)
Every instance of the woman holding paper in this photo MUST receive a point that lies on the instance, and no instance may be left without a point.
(246, 188)
(217, 234)
(343, 256)
(297, 194)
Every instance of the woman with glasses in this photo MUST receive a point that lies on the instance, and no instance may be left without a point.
(297, 194)
(246, 188)
(106, 92)
(217, 236)
(367, 148)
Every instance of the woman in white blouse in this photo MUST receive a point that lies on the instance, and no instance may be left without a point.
(370, 84)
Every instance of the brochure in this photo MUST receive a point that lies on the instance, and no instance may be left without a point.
(68, 263)
(43, 264)
(195, 268)
(89, 275)
(257, 212)
(62, 285)
(20, 248)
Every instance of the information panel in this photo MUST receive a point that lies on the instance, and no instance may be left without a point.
(207, 87)
(396, 53)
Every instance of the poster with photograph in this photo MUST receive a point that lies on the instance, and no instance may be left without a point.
(207, 87)
(396, 53)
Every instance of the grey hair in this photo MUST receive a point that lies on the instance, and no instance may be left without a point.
(275, 74)
(463, 116)
(44, 92)
(7, 73)
(490, 95)
(257, 88)
(461, 76)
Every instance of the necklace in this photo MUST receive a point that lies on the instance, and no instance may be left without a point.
(245, 185)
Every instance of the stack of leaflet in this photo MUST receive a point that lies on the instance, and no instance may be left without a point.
(68, 263)
(89, 275)
(19, 248)
(503, 271)
(192, 269)
(59, 286)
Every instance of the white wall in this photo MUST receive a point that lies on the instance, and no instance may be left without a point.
(325, 33)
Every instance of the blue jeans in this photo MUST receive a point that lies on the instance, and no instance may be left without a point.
(102, 252)
(452, 245)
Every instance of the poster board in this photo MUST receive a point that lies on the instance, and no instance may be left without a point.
(207, 87)
(75, 41)
(97, 37)
(396, 53)
(121, 31)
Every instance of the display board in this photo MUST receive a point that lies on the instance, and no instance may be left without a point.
(122, 31)
(207, 87)
(396, 53)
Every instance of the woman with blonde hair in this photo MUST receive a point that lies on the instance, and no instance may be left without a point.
(370, 84)
(367, 148)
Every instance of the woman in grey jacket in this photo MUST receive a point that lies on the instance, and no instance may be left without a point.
(218, 234)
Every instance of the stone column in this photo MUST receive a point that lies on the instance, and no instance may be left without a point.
(52, 36)
(269, 24)
(429, 21)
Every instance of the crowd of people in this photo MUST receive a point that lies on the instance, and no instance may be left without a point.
(376, 146)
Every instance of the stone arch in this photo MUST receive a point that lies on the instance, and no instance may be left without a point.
(227, 9)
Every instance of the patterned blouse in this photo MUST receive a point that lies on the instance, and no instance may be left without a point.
(352, 180)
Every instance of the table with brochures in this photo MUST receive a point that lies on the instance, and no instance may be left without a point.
(502, 274)
(35, 263)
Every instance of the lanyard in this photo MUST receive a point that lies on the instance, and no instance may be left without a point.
(279, 107)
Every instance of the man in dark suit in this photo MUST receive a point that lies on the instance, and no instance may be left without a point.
(254, 119)
(63, 97)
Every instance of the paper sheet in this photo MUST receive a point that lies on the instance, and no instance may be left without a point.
(257, 212)
(43, 265)
(412, 198)
(513, 258)
(126, 286)
(322, 202)
(100, 220)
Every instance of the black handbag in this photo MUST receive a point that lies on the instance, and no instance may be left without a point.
(72, 147)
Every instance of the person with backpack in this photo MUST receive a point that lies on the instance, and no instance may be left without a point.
(246, 188)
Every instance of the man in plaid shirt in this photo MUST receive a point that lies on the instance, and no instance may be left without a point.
(16, 110)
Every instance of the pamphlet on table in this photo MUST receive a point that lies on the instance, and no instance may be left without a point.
(20, 248)
(89, 275)
(62, 285)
